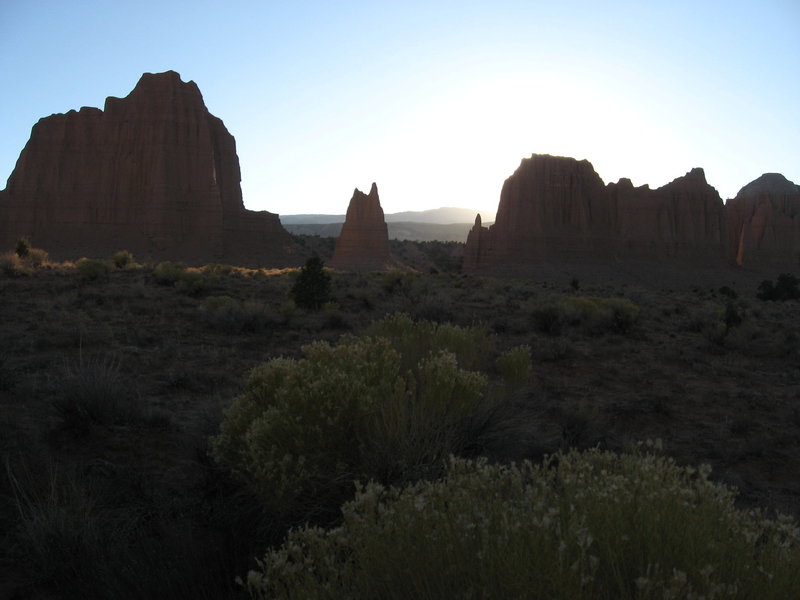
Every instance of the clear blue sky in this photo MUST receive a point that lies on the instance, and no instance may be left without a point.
(435, 101)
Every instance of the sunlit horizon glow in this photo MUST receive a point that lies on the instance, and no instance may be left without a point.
(437, 102)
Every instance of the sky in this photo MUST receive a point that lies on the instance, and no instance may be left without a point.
(435, 101)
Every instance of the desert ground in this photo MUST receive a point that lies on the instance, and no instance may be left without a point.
(112, 382)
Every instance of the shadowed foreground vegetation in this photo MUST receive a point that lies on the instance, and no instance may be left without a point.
(162, 426)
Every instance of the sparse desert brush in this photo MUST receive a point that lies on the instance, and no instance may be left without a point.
(92, 391)
(548, 319)
(91, 270)
(514, 365)
(787, 287)
(122, 259)
(168, 273)
(11, 265)
(578, 526)
(594, 315)
(37, 257)
(60, 536)
(415, 340)
(191, 282)
(305, 429)
(233, 316)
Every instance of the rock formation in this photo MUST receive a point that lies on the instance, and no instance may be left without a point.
(154, 173)
(764, 223)
(557, 208)
(363, 244)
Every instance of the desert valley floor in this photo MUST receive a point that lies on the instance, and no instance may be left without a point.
(706, 367)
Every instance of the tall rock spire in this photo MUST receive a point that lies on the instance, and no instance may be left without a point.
(363, 244)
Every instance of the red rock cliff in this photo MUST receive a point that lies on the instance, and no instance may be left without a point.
(154, 173)
(363, 244)
(556, 208)
(764, 223)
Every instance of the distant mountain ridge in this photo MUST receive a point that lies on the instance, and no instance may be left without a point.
(438, 216)
(415, 232)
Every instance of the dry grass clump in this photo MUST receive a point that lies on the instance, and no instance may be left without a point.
(93, 392)
(233, 316)
(580, 525)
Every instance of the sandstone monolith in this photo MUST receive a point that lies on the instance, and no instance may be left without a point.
(557, 209)
(764, 223)
(154, 173)
(363, 244)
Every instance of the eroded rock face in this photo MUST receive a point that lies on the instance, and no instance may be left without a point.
(764, 223)
(363, 244)
(154, 173)
(557, 208)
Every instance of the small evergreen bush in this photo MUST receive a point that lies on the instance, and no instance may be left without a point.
(23, 247)
(579, 526)
(312, 288)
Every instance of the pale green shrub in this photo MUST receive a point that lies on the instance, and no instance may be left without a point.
(122, 259)
(91, 270)
(168, 273)
(307, 428)
(579, 526)
(415, 340)
(12, 265)
(515, 366)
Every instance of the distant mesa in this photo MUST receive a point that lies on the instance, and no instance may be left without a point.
(557, 209)
(363, 244)
(154, 173)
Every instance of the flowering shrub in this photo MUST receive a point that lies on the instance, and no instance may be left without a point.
(305, 429)
(581, 525)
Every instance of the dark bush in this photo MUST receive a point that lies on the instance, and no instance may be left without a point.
(23, 247)
(312, 288)
(548, 319)
(787, 287)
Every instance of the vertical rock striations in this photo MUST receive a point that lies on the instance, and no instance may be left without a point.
(363, 244)
(764, 223)
(557, 209)
(154, 173)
